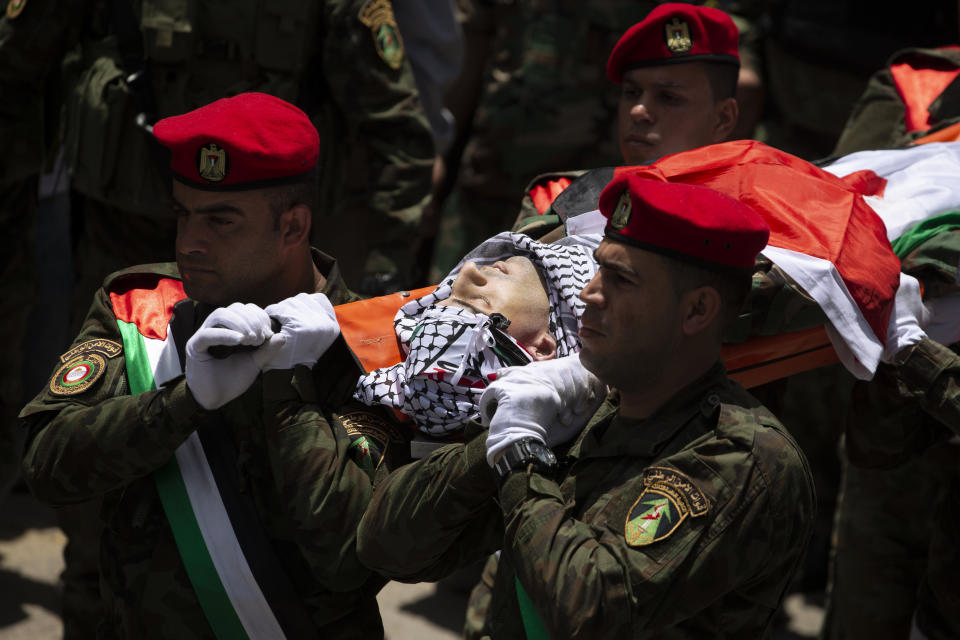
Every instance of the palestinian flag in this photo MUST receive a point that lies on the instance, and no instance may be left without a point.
(823, 234)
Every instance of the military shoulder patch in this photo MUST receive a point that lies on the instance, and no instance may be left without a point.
(370, 436)
(15, 8)
(82, 366)
(378, 15)
(668, 497)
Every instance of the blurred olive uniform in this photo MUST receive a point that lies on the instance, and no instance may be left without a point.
(818, 56)
(879, 121)
(897, 458)
(920, 402)
(577, 542)
(342, 61)
(544, 104)
(99, 440)
(26, 134)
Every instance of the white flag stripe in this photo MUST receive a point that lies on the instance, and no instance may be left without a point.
(856, 345)
(922, 182)
(245, 594)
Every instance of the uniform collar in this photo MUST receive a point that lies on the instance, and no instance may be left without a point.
(335, 288)
(685, 416)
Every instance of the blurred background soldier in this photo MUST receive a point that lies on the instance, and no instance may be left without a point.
(818, 55)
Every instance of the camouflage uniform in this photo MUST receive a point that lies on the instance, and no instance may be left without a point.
(910, 503)
(546, 105)
(900, 458)
(341, 61)
(308, 494)
(878, 120)
(719, 564)
(818, 55)
(24, 138)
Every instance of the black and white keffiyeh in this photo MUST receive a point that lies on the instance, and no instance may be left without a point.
(452, 353)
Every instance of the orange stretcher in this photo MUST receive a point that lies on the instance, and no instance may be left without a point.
(367, 326)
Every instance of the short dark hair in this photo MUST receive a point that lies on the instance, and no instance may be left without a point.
(283, 198)
(733, 285)
(723, 79)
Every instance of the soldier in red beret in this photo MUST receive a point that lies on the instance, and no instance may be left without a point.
(678, 71)
(675, 507)
(230, 504)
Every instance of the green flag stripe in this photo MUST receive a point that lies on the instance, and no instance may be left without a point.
(176, 503)
(532, 624)
(923, 231)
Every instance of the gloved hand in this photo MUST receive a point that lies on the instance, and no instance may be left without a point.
(309, 327)
(215, 382)
(550, 401)
(906, 320)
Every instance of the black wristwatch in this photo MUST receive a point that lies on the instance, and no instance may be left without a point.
(523, 452)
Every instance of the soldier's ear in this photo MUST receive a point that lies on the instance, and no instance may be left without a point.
(727, 112)
(295, 225)
(701, 309)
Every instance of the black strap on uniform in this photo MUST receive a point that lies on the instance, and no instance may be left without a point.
(261, 556)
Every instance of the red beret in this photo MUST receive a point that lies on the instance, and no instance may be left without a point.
(675, 32)
(683, 221)
(249, 141)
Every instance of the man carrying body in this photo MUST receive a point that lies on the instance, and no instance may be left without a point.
(546, 106)
(677, 70)
(119, 419)
(681, 510)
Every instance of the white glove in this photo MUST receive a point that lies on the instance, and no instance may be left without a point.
(215, 382)
(550, 401)
(906, 320)
(309, 327)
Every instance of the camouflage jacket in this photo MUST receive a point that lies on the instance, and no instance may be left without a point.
(728, 493)
(291, 458)
(878, 120)
(341, 61)
(908, 407)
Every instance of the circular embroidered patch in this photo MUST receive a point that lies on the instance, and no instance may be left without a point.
(78, 375)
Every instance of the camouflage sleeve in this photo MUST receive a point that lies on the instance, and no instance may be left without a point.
(775, 305)
(89, 438)
(930, 377)
(325, 493)
(376, 92)
(587, 581)
(434, 516)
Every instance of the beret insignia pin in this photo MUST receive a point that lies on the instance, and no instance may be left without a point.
(667, 499)
(677, 36)
(212, 162)
(621, 214)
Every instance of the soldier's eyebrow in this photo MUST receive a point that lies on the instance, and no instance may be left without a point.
(614, 265)
(215, 208)
(219, 207)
